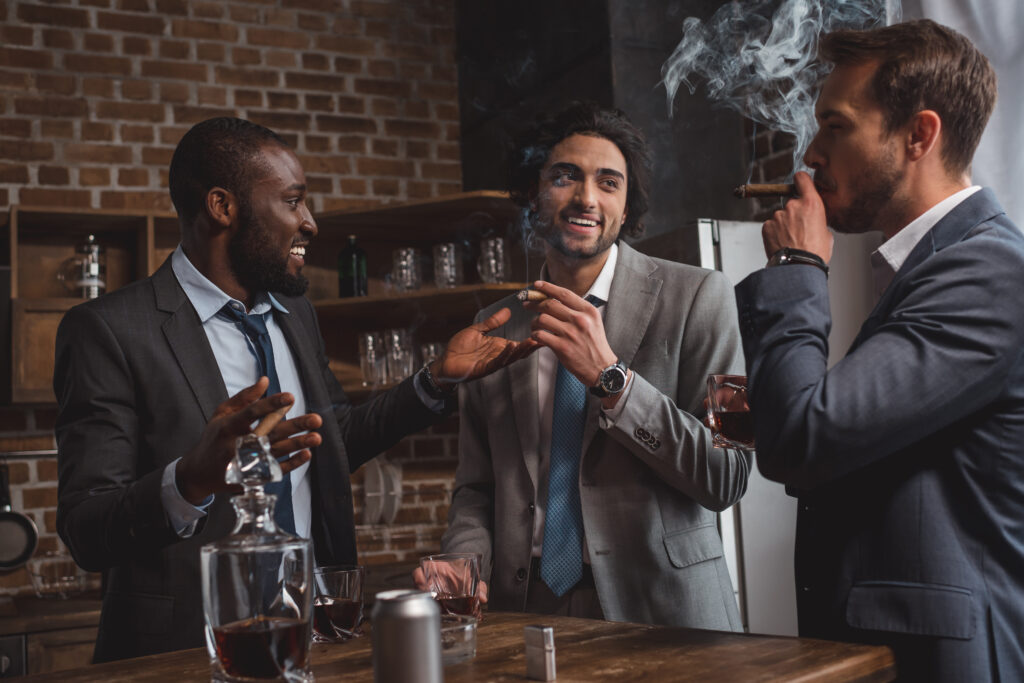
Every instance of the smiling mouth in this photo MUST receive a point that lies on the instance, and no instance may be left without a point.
(584, 222)
(298, 252)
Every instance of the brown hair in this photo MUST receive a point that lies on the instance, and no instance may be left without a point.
(924, 65)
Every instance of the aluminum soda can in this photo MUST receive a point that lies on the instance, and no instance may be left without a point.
(406, 627)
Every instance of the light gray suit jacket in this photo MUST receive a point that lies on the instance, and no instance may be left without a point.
(648, 512)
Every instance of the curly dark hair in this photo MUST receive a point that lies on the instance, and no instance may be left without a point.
(216, 153)
(532, 147)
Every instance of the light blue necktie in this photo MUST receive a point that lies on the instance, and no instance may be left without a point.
(561, 563)
(258, 340)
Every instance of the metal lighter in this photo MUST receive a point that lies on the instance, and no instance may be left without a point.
(540, 652)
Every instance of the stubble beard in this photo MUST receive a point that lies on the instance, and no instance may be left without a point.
(871, 196)
(254, 260)
(555, 238)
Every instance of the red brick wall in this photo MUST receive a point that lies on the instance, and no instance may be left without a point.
(772, 163)
(94, 94)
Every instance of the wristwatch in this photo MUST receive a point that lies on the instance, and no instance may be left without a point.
(611, 381)
(788, 255)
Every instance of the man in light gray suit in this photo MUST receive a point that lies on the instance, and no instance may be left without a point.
(602, 505)
(908, 455)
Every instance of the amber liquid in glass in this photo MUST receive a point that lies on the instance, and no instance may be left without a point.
(334, 618)
(463, 604)
(263, 647)
(736, 426)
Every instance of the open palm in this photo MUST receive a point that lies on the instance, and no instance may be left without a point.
(472, 354)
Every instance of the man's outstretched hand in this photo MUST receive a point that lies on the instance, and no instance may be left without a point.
(472, 354)
(200, 472)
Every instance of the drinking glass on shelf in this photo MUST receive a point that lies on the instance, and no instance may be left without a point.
(405, 269)
(732, 424)
(453, 579)
(493, 264)
(431, 351)
(447, 265)
(338, 603)
(372, 358)
(399, 347)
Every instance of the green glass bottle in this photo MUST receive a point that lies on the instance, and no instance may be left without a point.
(352, 270)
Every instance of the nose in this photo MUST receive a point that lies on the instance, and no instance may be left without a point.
(586, 193)
(813, 157)
(308, 223)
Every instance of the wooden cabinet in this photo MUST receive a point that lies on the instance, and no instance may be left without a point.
(136, 243)
(42, 240)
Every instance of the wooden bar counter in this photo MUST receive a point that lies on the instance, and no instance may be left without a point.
(585, 651)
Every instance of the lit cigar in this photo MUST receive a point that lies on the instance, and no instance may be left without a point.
(765, 190)
(525, 295)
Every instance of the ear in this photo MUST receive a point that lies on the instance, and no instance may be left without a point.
(924, 134)
(221, 206)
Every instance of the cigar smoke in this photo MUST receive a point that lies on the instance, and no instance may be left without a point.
(758, 57)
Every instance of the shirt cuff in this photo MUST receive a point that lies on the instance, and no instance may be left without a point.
(607, 418)
(434, 404)
(182, 514)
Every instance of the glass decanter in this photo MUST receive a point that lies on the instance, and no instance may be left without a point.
(257, 582)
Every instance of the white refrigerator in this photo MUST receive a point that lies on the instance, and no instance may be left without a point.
(758, 532)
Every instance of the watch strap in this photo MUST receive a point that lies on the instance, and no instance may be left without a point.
(789, 255)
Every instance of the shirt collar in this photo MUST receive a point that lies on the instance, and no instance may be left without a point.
(206, 297)
(887, 260)
(602, 286)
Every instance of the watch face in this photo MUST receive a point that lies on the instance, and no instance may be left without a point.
(613, 379)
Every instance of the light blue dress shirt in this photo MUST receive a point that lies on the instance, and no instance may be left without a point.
(238, 369)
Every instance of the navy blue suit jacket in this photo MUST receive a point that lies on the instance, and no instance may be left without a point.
(908, 455)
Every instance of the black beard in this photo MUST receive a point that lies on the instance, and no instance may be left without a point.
(254, 261)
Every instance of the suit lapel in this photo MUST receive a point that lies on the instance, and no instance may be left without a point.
(951, 228)
(631, 303)
(522, 378)
(188, 342)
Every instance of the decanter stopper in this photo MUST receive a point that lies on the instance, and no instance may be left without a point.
(253, 465)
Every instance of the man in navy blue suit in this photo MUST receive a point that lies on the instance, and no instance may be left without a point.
(908, 455)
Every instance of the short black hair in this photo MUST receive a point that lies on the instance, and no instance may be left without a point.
(532, 147)
(216, 153)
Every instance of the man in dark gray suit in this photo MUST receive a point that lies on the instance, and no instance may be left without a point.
(601, 503)
(908, 455)
(143, 375)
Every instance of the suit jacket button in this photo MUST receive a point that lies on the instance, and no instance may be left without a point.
(655, 444)
(642, 433)
(531, 507)
(520, 574)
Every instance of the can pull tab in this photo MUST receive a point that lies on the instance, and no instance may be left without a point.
(540, 652)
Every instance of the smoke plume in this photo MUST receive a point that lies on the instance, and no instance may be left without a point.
(761, 60)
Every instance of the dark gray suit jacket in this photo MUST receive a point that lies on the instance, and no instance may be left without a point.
(649, 485)
(908, 455)
(137, 381)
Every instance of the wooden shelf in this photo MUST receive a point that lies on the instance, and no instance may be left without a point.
(400, 309)
(433, 220)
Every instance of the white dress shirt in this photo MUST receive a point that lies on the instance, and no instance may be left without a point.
(890, 256)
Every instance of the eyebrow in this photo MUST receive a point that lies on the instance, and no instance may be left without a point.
(566, 166)
(297, 187)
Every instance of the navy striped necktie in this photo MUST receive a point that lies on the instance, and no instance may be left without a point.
(257, 339)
